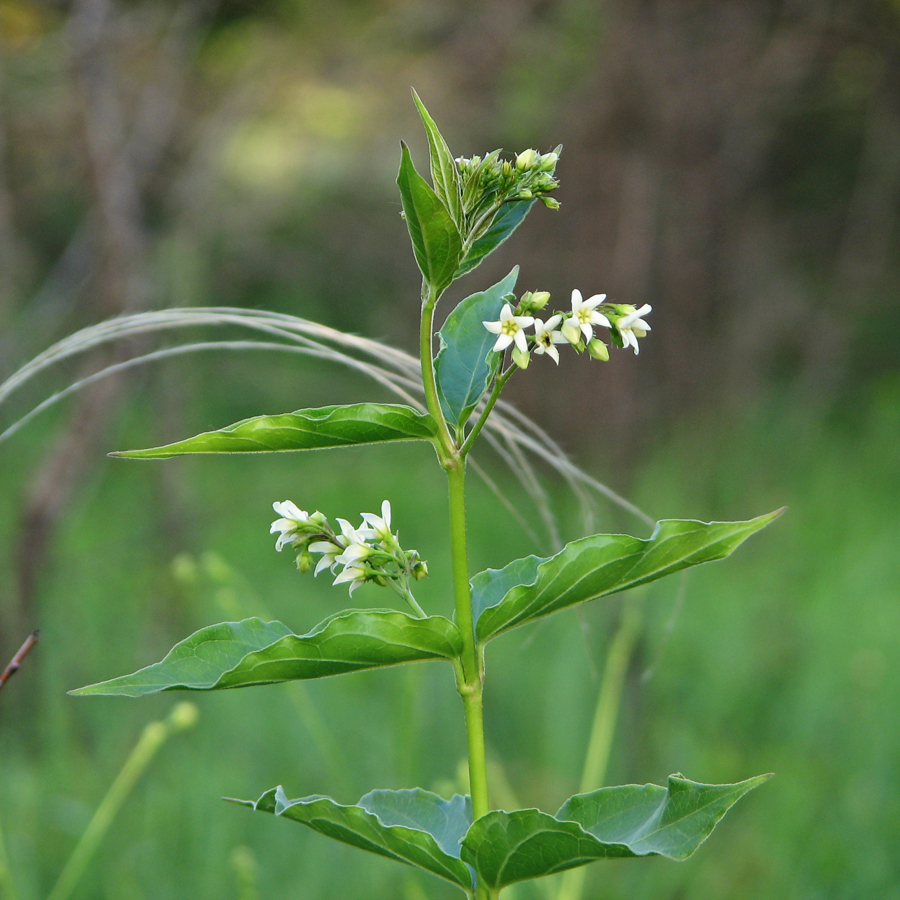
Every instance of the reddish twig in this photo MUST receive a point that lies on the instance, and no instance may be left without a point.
(16, 661)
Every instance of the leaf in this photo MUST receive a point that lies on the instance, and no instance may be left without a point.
(596, 566)
(435, 239)
(415, 827)
(239, 654)
(508, 218)
(444, 173)
(465, 364)
(628, 821)
(305, 429)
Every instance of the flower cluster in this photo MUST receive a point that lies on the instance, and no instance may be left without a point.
(371, 552)
(574, 327)
(490, 182)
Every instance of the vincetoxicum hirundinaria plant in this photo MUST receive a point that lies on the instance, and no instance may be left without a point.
(471, 207)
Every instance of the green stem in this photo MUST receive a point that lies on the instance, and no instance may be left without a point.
(404, 591)
(468, 670)
(607, 712)
(499, 383)
(426, 338)
(153, 737)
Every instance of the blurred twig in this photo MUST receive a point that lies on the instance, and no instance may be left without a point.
(16, 661)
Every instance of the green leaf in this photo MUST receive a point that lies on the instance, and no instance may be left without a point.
(508, 218)
(596, 566)
(444, 173)
(305, 429)
(435, 239)
(465, 364)
(415, 827)
(632, 820)
(239, 654)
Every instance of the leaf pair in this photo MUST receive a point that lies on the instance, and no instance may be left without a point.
(423, 830)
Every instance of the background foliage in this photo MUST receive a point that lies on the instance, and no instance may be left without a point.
(737, 165)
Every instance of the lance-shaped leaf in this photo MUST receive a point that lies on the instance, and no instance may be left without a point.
(239, 654)
(444, 173)
(508, 218)
(415, 827)
(435, 239)
(596, 566)
(465, 363)
(305, 429)
(631, 820)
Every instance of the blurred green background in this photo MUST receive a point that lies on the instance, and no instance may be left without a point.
(735, 164)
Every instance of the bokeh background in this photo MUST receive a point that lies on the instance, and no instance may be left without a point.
(736, 164)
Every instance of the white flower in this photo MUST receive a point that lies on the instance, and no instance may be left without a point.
(356, 575)
(292, 521)
(584, 317)
(631, 326)
(330, 552)
(381, 525)
(354, 554)
(545, 337)
(509, 327)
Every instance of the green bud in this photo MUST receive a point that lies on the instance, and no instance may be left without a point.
(531, 302)
(598, 350)
(525, 194)
(506, 168)
(521, 359)
(420, 570)
(548, 162)
(526, 160)
(304, 561)
(550, 203)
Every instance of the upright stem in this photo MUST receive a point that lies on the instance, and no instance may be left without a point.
(426, 337)
(7, 891)
(469, 670)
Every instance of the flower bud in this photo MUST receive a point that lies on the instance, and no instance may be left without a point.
(550, 203)
(525, 194)
(506, 169)
(526, 160)
(520, 358)
(532, 302)
(598, 350)
(304, 561)
(420, 570)
(548, 162)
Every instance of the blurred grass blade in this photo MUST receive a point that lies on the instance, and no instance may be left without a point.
(415, 826)
(596, 566)
(444, 174)
(465, 364)
(305, 429)
(435, 239)
(240, 654)
(509, 217)
(183, 716)
(627, 821)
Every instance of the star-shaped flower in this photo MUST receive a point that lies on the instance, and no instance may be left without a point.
(380, 526)
(510, 328)
(545, 337)
(631, 326)
(291, 525)
(584, 317)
